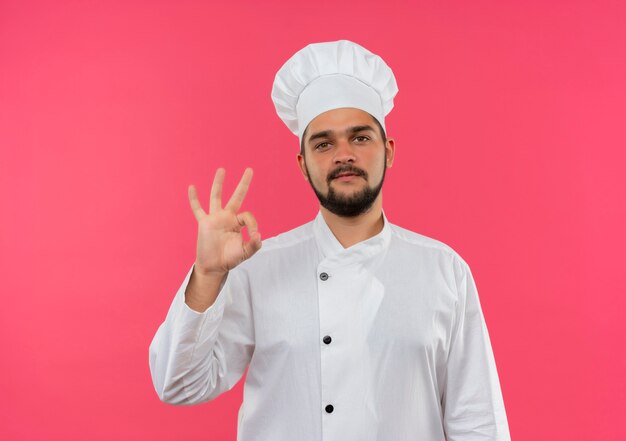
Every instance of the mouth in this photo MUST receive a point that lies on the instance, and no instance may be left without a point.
(345, 177)
(347, 174)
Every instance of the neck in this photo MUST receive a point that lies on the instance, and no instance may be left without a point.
(352, 230)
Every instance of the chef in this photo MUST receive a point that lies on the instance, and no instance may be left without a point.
(352, 328)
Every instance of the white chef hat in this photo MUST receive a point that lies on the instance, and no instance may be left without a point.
(332, 75)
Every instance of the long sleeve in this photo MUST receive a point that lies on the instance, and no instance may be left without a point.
(472, 401)
(194, 357)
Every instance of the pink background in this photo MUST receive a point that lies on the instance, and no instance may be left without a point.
(510, 131)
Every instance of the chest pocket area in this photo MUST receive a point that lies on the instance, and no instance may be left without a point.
(286, 323)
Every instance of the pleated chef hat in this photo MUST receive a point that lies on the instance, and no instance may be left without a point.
(326, 76)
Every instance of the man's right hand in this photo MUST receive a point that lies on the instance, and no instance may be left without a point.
(220, 246)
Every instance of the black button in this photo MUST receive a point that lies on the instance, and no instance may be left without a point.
(330, 408)
(324, 276)
(327, 339)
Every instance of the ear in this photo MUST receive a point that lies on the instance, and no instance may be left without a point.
(391, 149)
(302, 166)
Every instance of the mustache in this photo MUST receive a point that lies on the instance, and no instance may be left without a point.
(346, 169)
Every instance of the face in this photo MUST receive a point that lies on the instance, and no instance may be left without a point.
(345, 160)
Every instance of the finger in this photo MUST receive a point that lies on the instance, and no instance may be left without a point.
(215, 203)
(198, 212)
(246, 219)
(240, 192)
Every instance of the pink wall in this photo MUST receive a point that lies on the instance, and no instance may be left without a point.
(510, 130)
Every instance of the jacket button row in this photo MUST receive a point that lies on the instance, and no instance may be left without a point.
(329, 408)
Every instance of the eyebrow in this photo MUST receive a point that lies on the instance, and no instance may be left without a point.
(349, 130)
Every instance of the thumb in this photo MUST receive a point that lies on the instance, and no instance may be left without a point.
(253, 245)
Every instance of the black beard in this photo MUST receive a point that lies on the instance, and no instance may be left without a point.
(353, 205)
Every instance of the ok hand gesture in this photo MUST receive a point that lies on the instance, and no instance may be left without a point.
(221, 246)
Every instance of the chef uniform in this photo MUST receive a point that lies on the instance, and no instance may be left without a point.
(384, 340)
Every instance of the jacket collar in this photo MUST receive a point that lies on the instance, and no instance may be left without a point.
(332, 251)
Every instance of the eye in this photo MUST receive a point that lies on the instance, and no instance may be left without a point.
(361, 138)
(321, 145)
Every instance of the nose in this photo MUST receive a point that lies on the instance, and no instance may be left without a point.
(344, 152)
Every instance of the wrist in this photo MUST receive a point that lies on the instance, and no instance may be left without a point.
(203, 289)
(208, 274)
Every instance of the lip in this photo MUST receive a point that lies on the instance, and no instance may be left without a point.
(345, 178)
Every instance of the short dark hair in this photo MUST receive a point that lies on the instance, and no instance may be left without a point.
(380, 127)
